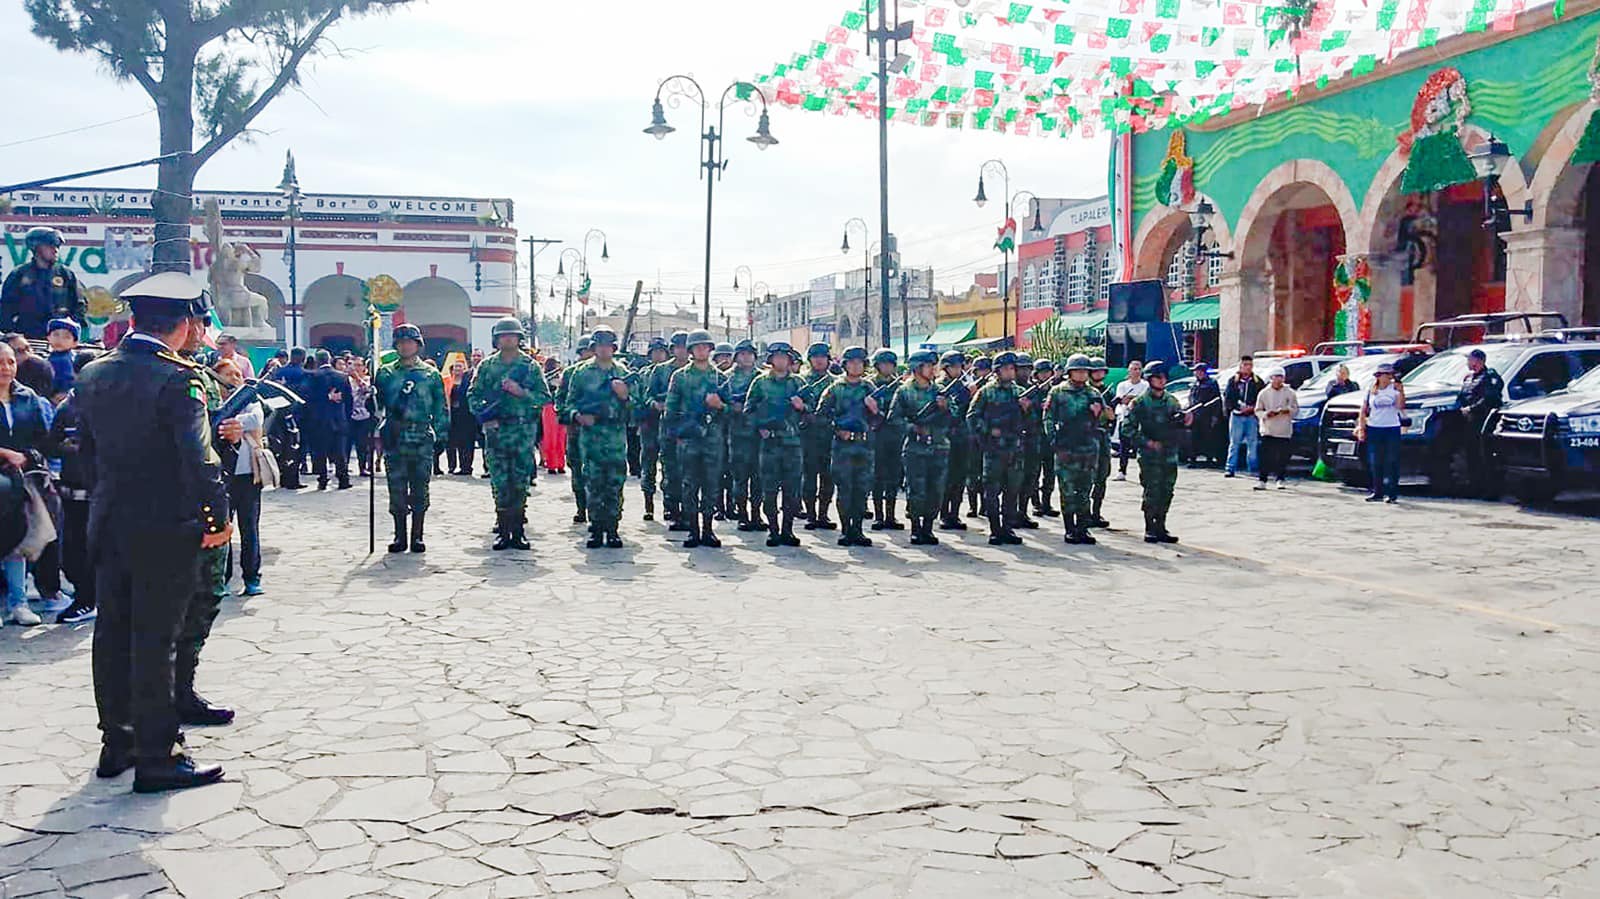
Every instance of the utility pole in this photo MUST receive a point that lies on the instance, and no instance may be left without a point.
(883, 34)
(536, 245)
(905, 322)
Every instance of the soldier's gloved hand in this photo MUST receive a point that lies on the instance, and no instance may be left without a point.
(231, 430)
(620, 389)
(1094, 409)
(512, 387)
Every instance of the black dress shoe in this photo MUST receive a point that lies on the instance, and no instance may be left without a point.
(196, 712)
(177, 773)
(113, 760)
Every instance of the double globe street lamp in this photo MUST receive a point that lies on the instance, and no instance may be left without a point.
(712, 163)
(1005, 252)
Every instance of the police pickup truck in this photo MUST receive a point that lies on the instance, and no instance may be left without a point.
(1548, 444)
(1437, 440)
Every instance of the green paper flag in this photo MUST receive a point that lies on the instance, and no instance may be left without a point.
(1365, 63)
(1118, 28)
(1019, 13)
(1065, 34)
(983, 79)
(1387, 13)
(1160, 42)
(943, 43)
(853, 20)
(1167, 9)
(1203, 67)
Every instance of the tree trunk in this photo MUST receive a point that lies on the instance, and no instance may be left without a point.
(173, 202)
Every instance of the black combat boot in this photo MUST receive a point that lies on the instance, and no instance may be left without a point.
(400, 543)
(116, 756)
(691, 523)
(502, 530)
(750, 516)
(597, 537)
(861, 538)
(417, 546)
(192, 708)
(879, 522)
(649, 507)
(928, 539)
(1069, 524)
(519, 537)
(774, 538)
(972, 503)
(892, 523)
(997, 533)
(613, 540)
(707, 537)
(1084, 537)
(1046, 504)
(581, 516)
(1095, 519)
(821, 521)
(1152, 531)
(176, 772)
(789, 539)
(682, 519)
(916, 531)
(1161, 529)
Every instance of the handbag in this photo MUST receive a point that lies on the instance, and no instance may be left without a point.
(41, 525)
(263, 465)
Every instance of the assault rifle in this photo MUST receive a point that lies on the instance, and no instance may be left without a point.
(774, 416)
(946, 394)
(596, 401)
(698, 418)
(880, 396)
(274, 396)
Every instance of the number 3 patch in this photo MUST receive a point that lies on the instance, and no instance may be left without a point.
(410, 385)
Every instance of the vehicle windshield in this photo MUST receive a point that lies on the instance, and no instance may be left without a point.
(1589, 383)
(1361, 372)
(1449, 369)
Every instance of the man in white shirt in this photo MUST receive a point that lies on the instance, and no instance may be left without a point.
(228, 348)
(1129, 390)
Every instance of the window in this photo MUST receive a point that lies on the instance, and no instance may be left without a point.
(1108, 269)
(1078, 278)
(1545, 373)
(1213, 268)
(1182, 262)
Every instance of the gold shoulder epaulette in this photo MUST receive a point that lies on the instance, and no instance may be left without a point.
(170, 356)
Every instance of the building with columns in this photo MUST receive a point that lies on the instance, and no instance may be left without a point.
(1353, 209)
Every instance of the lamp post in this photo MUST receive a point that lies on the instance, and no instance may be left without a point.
(1005, 254)
(576, 258)
(1200, 222)
(866, 269)
(764, 290)
(712, 163)
(1489, 160)
(289, 187)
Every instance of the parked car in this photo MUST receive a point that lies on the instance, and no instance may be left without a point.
(1435, 443)
(1313, 394)
(1548, 444)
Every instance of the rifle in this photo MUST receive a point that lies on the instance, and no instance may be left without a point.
(596, 401)
(273, 395)
(946, 394)
(699, 418)
(880, 397)
(776, 417)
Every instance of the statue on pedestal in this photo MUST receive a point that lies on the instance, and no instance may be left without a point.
(242, 311)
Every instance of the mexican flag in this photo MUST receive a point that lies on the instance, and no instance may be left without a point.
(583, 292)
(1007, 241)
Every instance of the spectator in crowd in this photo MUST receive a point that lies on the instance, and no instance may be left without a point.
(73, 484)
(24, 433)
(1378, 426)
(1341, 383)
(553, 441)
(1133, 387)
(327, 421)
(244, 487)
(1276, 405)
(228, 348)
(463, 424)
(363, 409)
(1205, 400)
(63, 340)
(279, 360)
(1244, 429)
(32, 372)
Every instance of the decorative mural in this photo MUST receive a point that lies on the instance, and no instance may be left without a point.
(1352, 290)
(1435, 158)
(1175, 185)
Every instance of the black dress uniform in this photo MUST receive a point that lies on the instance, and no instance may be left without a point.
(158, 488)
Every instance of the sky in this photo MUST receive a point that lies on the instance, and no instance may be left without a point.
(544, 103)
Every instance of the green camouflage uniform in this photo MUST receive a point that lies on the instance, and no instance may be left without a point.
(962, 449)
(976, 433)
(744, 447)
(816, 442)
(671, 469)
(842, 409)
(212, 586)
(1102, 464)
(508, 436)
(888, 442)
(416, 419)
(649, 423)
(697, 429)
(926, 449)
(1158, 419)
(996, 417)
(776, 424)
(587, 390)
(1074, 433)
(1032, 446)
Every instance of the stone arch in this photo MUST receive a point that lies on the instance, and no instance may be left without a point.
(443, 310)
(275, 302)
(1269, 196)
(332, 308)
(1557, 185)
(1161, 230)
(1551, 263)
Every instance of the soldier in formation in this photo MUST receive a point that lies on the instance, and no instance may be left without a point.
(647, 412)
(1108, 418)
(596, 398)
(817, 442)
(1072, 414)
(774, 408)
(697, 398)
(743, 495)
(416, 420)
(888, 438)
(1156, 418)
(953, 384)
(1042, 477)
(996, 417)
(671, 473)
(585, 349)
(846, 409)
(922, 409)
(508, 391)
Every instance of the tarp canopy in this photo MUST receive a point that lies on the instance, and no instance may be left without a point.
(981, 343)
(1091, 322)
(1198, 315)
(952, 333)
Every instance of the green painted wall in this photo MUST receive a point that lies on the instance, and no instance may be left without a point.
(1515, 88)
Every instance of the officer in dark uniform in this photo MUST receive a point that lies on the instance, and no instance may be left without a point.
(159, 498)
(1482, 392)
(41, 290)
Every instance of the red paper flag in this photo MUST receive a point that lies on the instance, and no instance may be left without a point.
(1234, 14)
(934, 17)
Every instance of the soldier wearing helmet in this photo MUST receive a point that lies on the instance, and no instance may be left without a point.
(722, 356)
(595, 397)
(671, 471)
(697, 399)
(953, 384)
(1072, 416)
(507, 393)
(996, 417)
(774, 407)
(1102, 467)
(816, 485)
(647, 407)
(924, 412)
(1153, 423)
(741, 498)
(847, 407)
(580, 498)
(41, 290)
(887, 444)
(416, 419)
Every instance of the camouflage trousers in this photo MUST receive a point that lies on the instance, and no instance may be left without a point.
(744, 455)
(605, 470)
(508, 449)
(575, 459)
(781, 459)
(962, 453)
(852, 477)
(211, 588)
(1002, 478)
(888, 467)
(1032, 466)
(817, 478)
(1075, 473)
(671, 471)
(925, 466)
(1158, 474)
(649, 454)
(1102, 470)
(408, 471)
(700, 460)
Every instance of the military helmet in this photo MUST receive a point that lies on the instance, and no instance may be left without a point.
(1155, 369)
(1079, 360)
(818, 349)
(406, 331)
(698, 337)
(774, 348)
(680, 338)
(922, 357)
(1005, 358)
(1023, 360)
(983, 362)
(885, 356)
(954, 357)
(1098, 363)
(858, 353)
(42, 235)
(585, 342)
(1044, 365)
(507, 325)
(658, 343)
(603, 335)
(745, 346)
(722, 349)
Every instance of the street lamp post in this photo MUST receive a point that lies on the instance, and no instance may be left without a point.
(866, 268)
(764, 290)
(712, 163)
(576, 258)
(1005, 254)
(290, 188)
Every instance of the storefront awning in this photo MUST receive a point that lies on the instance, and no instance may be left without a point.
(1198, 315)
(952, 333)
(1091, 322)
(980, 343)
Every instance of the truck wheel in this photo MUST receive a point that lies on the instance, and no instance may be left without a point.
(1534, 491)
(1451, 474)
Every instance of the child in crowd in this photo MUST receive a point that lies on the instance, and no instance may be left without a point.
(63, 336)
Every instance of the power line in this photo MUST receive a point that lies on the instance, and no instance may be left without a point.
(78, 130)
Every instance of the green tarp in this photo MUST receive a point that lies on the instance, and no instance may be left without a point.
(1091, 322)
(952, 333)
(1198, 315)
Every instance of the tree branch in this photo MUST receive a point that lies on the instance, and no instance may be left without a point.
(286, 76)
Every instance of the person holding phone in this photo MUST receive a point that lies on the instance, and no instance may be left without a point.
(1379, 427)
(1275, 409)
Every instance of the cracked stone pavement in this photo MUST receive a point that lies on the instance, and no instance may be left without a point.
(1403, 705)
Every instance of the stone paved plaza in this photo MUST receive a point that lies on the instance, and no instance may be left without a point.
(1311, 696)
